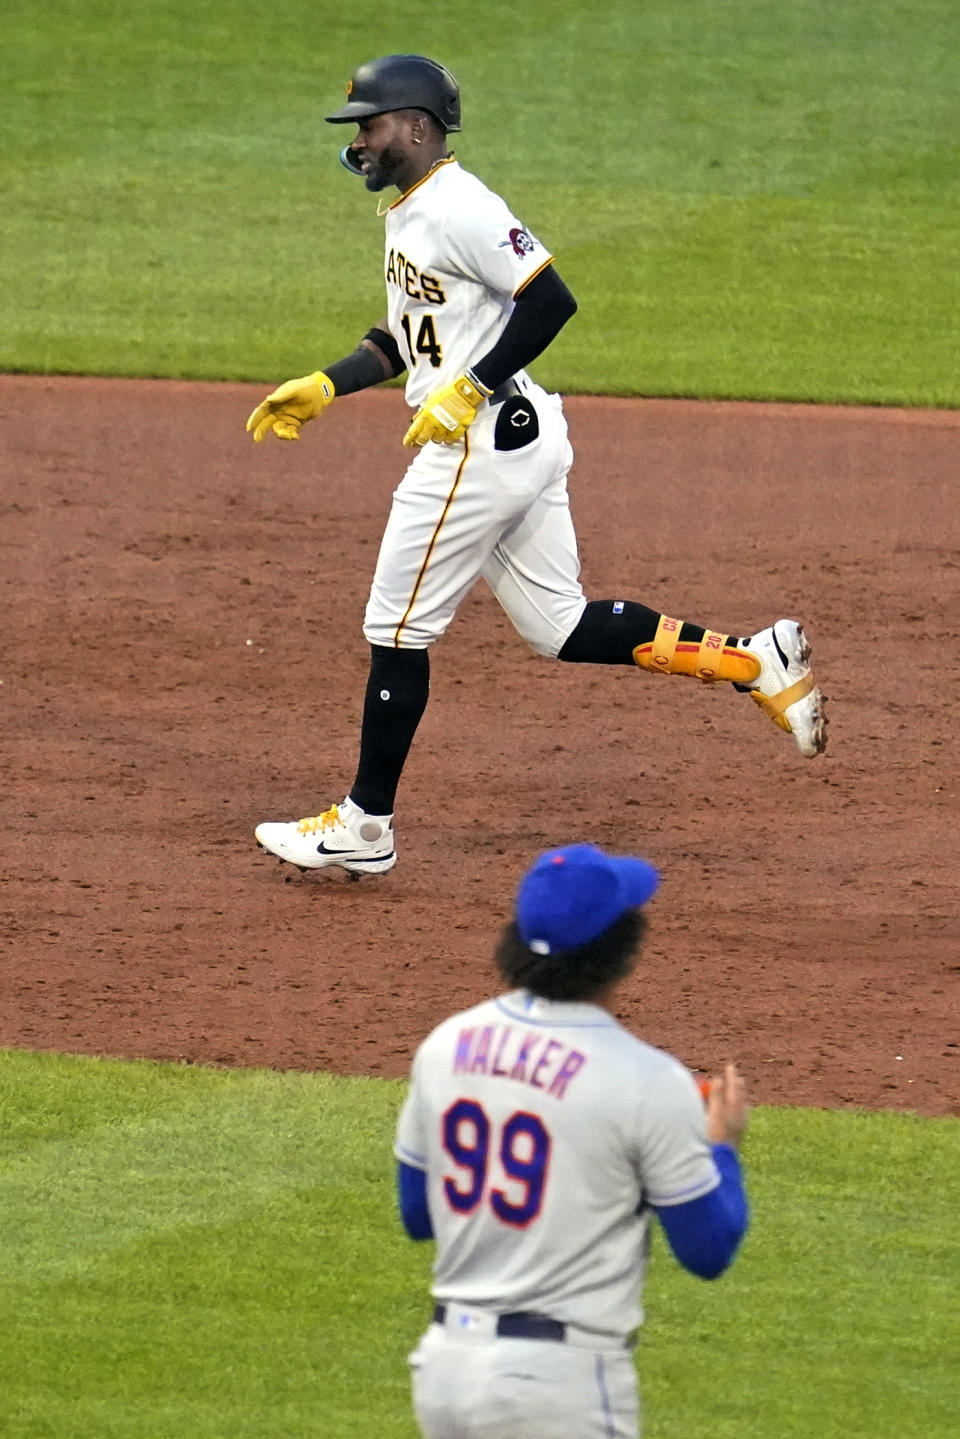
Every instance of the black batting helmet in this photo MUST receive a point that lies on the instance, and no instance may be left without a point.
(401, 82)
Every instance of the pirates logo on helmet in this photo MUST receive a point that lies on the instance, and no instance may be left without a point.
(401, 82)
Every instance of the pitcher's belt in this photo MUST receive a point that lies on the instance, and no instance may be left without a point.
(519, 1326)
(526, 1326)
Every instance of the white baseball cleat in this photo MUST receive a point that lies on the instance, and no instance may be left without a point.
(344, 836)
(785, 688)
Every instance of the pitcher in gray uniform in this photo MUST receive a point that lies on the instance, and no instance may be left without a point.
(537, 1139)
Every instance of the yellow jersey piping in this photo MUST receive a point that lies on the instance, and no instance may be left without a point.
(444, 160)
(538, 271)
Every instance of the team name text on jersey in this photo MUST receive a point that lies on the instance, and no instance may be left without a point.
(404, 274)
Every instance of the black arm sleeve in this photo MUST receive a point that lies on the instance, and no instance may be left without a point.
(367, 366)
(541, 310)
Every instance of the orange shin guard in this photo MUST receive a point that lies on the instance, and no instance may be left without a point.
(710, 659)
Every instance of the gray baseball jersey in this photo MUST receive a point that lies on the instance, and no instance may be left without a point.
(545, 1130)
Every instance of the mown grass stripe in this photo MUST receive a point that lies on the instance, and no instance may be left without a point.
(749, 200)
(208, 1252)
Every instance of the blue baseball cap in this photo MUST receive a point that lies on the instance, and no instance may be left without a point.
(572, 895)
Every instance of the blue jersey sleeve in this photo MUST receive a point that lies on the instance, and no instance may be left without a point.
(412, 1199)
(704, 1233)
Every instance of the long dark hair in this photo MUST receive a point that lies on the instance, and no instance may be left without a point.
(574, 973)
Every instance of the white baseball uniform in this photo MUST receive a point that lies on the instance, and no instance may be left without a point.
(456, 258)
(546, 1130)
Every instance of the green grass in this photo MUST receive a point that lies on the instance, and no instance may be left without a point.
(748, 199)
(190, 1252)
(208, 1253)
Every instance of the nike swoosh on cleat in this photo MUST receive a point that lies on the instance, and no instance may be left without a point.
(353, 856)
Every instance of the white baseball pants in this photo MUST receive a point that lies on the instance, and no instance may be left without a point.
(466, 510)
(477, 1386)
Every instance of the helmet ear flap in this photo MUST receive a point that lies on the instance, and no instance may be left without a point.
(348, 159)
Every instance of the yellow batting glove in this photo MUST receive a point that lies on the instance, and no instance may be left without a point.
(288, 407)
(445, 415)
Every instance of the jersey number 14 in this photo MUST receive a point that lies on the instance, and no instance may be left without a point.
(521, 1149)
(427, 342)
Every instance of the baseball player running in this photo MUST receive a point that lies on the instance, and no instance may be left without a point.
(537, 1138)
(472, 298)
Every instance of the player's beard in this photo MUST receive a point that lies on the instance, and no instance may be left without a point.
(382, 171)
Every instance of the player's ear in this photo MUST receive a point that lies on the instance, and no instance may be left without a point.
(423, 127)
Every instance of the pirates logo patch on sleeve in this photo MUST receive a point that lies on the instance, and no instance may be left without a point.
(521, 241)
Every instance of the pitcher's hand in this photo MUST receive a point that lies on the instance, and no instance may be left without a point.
(727, 1107)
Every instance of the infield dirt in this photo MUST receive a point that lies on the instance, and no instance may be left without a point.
(183, 657)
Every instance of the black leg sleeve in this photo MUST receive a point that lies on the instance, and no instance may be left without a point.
(610, 630)
(397, 690)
